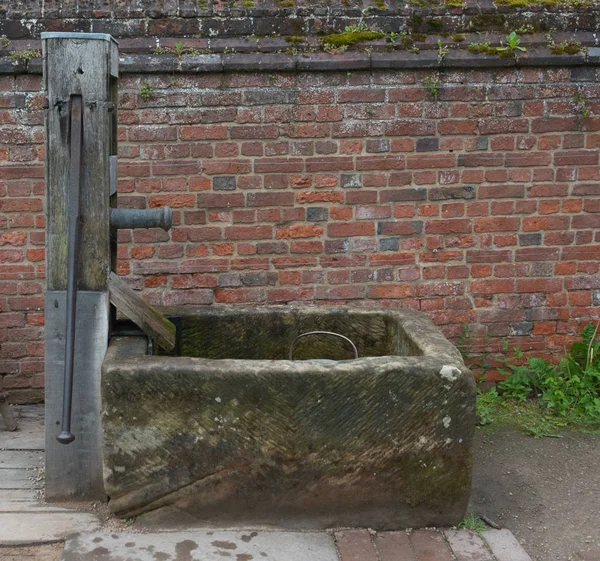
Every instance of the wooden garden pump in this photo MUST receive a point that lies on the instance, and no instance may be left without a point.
(80, 78)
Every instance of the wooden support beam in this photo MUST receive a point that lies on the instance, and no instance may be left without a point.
(149, 320)
(84, 64)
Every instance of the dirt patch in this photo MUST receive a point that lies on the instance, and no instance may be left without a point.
(50, 552)
(546, 491)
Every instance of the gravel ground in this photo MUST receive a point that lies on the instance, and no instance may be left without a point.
(546, 491)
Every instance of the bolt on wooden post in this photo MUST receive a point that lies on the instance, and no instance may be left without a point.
(81, 65)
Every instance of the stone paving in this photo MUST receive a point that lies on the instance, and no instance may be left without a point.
(26, 520)
(204, 544)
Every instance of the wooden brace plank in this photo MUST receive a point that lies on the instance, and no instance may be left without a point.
(142, 314)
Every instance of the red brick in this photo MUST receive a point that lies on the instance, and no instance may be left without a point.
(553, 124)
(528, 159)
(539, 285)
(537, 223)
(429, 545)
(306, 247)
(427, 161)
(391, 291)
(492, 286)
(576, 158)
(501, 191)
(347, 229)
(299, 231)
(278, 199)
(498, 224)
(458, 226)
(250, 132)
(497, 125)
(174, 201)
(350, 292)
(355, 545)
(321, 197)
(290, 294)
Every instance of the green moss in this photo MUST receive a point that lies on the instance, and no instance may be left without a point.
(202, 3)
(421, 37)
(419, 3)
(514, 3)
(414, 23)
(351, 38)
(481, 49)
(407, 42)
(458, 37)
(286, 3)
(380, 4)
(567, 48)
(434, 25)
(24, 56)
(294, 39)
(248, 4)
(485, 22)
(454, 4)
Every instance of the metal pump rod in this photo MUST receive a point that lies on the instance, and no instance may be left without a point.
(66, 436)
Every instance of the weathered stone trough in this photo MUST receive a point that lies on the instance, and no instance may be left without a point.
(233, 432)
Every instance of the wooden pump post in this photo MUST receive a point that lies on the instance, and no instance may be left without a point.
(78, 66)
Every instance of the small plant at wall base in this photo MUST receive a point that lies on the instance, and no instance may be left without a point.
(545, 397)
(472, 522)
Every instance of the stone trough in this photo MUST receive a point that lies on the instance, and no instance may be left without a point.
(233, 432)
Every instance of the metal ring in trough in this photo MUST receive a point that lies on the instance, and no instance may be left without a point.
(322, 333)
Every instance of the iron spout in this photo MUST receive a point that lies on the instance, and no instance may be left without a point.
(121, 218)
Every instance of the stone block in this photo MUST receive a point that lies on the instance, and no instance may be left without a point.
(505, 546)
(233, 431)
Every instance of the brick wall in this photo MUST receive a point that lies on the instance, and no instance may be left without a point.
(346, 188)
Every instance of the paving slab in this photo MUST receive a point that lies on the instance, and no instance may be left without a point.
(24, 519)
(394, 546)
(43, 527)
(467, 546)
(30, 430)
(429, 545)
(355, 545)
(202, 544)
(11, 459)
(505, 546)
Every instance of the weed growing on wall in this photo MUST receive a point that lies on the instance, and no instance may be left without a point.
(146, 91)
(434, 86)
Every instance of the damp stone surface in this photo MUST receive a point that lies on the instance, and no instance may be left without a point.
(234, 432)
